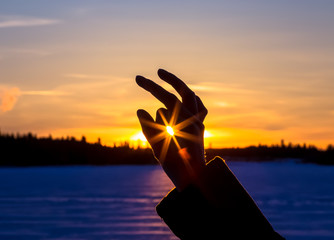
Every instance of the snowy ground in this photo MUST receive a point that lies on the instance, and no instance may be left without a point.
(118, 202)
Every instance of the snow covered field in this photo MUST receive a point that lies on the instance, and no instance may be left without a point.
(118, 202)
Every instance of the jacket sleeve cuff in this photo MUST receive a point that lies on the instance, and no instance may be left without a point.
(185, 213)
(195, 213)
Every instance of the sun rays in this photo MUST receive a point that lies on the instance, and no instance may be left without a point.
(171, 130)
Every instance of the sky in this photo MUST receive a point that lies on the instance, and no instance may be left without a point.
(264, 69)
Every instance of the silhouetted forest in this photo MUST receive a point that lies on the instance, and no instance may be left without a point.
(29, 150)
(301, 153)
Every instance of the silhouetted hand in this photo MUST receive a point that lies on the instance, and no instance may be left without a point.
(181, 154)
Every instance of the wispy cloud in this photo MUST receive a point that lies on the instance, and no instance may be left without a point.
(88, 76)
(26, 51)
(45, 93)
(216, 87)
(224, 104)
(10, 95)
(19, 52)
(8, 98)
(24, 21)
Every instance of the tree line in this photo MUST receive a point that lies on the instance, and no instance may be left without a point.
(29, 150)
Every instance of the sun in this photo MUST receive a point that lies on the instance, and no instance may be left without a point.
(207, 134)
(138, 136)
(170, 130)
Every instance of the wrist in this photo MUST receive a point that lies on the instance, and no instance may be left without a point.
(184, 173)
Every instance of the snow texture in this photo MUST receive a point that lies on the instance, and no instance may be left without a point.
(118, 202)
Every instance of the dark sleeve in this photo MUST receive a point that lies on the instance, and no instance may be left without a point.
(217, 208)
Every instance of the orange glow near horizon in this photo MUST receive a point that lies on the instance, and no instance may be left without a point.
(139, 139)
(214, 137)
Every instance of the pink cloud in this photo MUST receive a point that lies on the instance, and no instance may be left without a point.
(8, 98)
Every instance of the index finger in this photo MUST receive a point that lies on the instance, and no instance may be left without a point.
(188, 96)
(167, 98)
